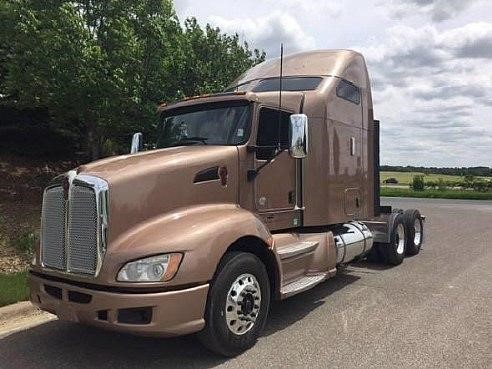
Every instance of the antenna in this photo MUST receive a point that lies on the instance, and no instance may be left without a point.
(280, 96)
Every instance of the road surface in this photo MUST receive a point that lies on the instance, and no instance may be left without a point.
(434, 310)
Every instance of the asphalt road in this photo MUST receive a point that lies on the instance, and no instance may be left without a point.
(434, 310)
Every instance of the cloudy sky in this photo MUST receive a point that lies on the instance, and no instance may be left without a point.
(430, 63)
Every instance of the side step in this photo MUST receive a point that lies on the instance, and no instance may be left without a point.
(297, 248)
(301, 285)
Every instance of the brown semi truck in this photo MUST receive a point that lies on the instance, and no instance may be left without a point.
(247, 196)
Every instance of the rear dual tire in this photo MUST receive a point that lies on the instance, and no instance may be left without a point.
(414, 226)
(406, 238)
(392, 253)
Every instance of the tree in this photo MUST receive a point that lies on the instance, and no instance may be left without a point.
(418, 183)
(209, 60)
(101, 67)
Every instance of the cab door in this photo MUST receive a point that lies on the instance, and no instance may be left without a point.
(275, 184)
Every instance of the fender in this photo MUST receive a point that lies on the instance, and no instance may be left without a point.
(202, 233)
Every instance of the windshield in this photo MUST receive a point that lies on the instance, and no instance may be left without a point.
(210, 124)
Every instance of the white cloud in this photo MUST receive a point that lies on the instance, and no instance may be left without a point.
(268, 32)
(308, 9)
(181, 6)
(473, 40)
(437, 10)
(433, 93)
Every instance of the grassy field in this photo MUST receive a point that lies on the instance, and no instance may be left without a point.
(13, 288)
(405, 178)
(447, 194)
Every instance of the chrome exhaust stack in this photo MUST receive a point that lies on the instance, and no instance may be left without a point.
(352, 240)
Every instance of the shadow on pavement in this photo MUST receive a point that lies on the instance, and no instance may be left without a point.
(60, 344)
(287, 312)
(369, 265)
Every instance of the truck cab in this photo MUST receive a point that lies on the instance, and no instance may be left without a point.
(246, 196)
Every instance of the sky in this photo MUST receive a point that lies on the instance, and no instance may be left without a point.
(430, 64)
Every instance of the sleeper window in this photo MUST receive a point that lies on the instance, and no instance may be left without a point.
(348, 91)
(288, 84)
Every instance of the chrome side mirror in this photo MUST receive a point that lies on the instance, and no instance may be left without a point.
(298, 134)
(137, 143)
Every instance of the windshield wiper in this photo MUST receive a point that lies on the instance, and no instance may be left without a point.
(192, 140)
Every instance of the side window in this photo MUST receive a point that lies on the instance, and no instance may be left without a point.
(268, 132)
(348, 91)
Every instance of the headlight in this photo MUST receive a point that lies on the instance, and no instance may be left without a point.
(158, 268)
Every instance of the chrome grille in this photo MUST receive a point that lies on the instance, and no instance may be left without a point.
(74, 226)
(53, 228)
(82, 230)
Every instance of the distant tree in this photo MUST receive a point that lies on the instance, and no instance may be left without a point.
(101, 67)
(418, 183)
(442, 185)
(463, 171)
(482, 185)
(431, 184)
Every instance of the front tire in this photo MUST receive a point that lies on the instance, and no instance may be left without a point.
(237, 305)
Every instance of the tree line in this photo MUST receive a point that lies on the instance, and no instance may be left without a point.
(456, 171)
(96, 70)
(468, 182)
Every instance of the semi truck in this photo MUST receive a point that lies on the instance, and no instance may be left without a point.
(244, 197)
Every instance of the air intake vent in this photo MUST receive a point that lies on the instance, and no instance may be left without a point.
(82, 230)
(53, 228)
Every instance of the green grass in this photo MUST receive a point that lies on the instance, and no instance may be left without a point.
(447, 194)
(405, 178)
(24, 242)
(13, 288)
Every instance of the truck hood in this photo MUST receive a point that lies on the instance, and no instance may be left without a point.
(150, 184)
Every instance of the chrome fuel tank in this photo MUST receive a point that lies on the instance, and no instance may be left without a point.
(352, 240)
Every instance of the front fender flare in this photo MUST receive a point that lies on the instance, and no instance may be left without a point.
(202, 233)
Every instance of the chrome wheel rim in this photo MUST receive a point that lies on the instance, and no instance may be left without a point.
(418, 232)
(243, 304)
(400, 239)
